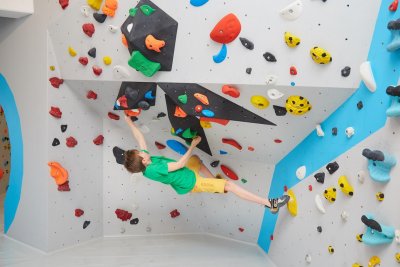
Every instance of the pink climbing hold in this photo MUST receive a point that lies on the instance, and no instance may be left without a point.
(88, 29)
(64, 3)
(91, 95)
(79, 212)
(309, 187)
(84, 61)
(55, 112)
(56, 82)
(174, 213)
(123, 215)
(98, 140)
(97, 70)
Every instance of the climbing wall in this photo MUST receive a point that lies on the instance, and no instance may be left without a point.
(5, 155)
(293, 232)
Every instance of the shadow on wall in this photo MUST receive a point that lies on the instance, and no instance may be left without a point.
(5, 153)
(8, 26)
(16, 163)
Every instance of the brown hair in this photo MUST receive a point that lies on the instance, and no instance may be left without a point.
(133, 162)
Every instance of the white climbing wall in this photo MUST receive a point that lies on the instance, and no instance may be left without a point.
(292, 233)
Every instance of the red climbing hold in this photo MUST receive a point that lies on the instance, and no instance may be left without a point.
(1, 173)
(310, 187)
(250, 148)
(79, 212)
(226, 30)
(56, 82)
(174, 213)
(285, 188)
(64, 187)
(219, 121)
(88, 29)
(198, 108)
(393, 6)
(55, 112)
(97, 70)
(64, 3)
(241, 229)
(231, 91)
(122, 101)
(278, 141)
(293, 70)
(232, 142)
(228, 172)
(159, 145)
(84, 61)
(71, 142)
(91, 95)
(123, 214)
(133, 112)
(113, 116)
(98, 140)
(271, 237)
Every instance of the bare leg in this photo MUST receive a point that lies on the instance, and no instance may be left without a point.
(206, 172)
(242, 193)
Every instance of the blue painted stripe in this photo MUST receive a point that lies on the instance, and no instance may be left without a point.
(14, 129)
(315, 152)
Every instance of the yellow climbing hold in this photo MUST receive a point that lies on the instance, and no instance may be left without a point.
(292, 204)
(52, 68)
(374, 261)
(320, 55)
(107, 60)
(397, 257)
(345, 186)
(356, 265)
(297, 105)
(72, 51)
(331, 250)
(330, 194)
(259, 101)
(95, 4)
(359, 237)
(205, 124)
(291, 40)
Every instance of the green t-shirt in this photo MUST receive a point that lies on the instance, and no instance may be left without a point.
(182, 180)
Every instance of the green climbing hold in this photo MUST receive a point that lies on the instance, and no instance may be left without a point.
(243, 181)
(183, 98)
(147, 10)
(132, 11)
(140, 63)
(189, 134)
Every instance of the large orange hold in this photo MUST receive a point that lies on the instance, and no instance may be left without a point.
(226, 30)
(154, 44)
(59, 174)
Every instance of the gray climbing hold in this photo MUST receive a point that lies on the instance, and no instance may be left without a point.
(346, 71)
(144, 105)
(269, 57)
(248, 70)
(131, 93)
(246, 43)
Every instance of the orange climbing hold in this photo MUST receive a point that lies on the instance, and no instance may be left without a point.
(231, 91)
(228, 172)
(154, 44)
(109, 7)
(219, 121)
(232, 143)
(124, 41)
(133, 112)
(202, 98)
(59, 174)
(226, 30)
(250, 148)
(179, 112)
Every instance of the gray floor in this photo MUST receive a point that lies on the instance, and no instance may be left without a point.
(174, 250)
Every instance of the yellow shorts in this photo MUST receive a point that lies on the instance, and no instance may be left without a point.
(209, 185)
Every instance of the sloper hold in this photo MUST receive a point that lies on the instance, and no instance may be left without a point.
(226, 30)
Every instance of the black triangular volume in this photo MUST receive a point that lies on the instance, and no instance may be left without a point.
(138, 95)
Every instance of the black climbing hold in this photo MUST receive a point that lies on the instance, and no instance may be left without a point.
(393, 91)
(64, 128)
(248, 70)
(56, 142)
(269, 57)
(319, 229)
(346, 71)
(144, 105)
(375, 155)
(394, 25)
(134, 221)
(133, 118)
(215, 163)
(360, 105)
(334, 131)
(161, 115)
(100, 18)
(246, 43)
(119, 155)
(332, 167)
(86, 224)
(279, 111)
(92, 52)
(320, 177)
(371, 223)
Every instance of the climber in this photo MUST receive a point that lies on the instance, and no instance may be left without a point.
(183, 175)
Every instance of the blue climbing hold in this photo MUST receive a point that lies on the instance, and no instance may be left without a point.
(222, 152)
(221, 55)
(207, 113)
(149, 95)
(176, 146)
(372, 237)
(380, 170)
(198, 3)
(394, 109)
(292, 83)
(178, 131)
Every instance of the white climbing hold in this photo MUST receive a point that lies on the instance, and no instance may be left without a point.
(361, 176)
(129, 27)
(320, 132)
(301, 172)
(85, 11)
(274, 94)
(350, 132)
(318, 202)
(271, 79)
(120, 72)
(344, 215)
(367, 76)
(122, 230)
(292, 11)
(397, 236)
(112, 28)
(308, 258)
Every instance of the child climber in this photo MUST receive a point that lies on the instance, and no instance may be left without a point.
(183, 175)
